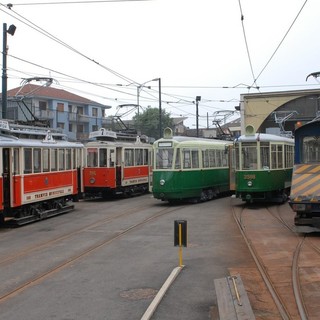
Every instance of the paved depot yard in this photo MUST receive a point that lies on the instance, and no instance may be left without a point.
(119, 280)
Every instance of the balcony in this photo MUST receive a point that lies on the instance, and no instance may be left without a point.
(81, 136)
(74, 117)
(44, 114)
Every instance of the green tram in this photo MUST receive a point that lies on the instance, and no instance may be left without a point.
(263, 167)
(189, 169)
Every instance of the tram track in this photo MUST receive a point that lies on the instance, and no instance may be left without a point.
(26, 251)
(280, 251)
(51, 270)
(259, 263)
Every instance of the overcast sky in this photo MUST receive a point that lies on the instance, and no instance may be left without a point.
(103, 50)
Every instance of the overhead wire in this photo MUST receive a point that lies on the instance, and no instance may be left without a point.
(284, 37)
(154, 98)
(10, 5)
(35, 27)
(246, 43)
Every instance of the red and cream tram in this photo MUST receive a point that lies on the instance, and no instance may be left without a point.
(39, 173)
(116, 164)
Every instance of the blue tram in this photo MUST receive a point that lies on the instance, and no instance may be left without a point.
(305, 191)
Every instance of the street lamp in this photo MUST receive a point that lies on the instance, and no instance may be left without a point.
(198, 98)
(160, 111)
(11, 31)
(139, 88)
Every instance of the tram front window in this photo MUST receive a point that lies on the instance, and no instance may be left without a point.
(249, 156)
(164, 158)
(311, 149)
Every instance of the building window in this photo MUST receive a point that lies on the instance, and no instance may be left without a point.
(95, 128)
(94, 112)
(43, 105)
(80, 128)
(60, 107)
(60, 125)
(80, 110)
(70, 127)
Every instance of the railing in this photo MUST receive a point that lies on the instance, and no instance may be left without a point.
(82, 136)
(44, 114)
(78, 117)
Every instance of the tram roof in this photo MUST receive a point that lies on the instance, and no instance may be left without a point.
(105, 143)
(11, 141)
(264, 137)
(194, 140)
(310, 128)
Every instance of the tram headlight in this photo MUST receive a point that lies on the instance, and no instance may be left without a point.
(92, 180)
(162, 182)
(249, 183)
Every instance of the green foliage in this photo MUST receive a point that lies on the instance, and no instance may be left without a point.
(147, 122)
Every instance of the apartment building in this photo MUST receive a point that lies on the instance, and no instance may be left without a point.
(73, 115)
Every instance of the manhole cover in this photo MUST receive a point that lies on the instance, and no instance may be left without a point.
(139, 294)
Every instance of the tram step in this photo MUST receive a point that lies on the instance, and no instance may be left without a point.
(44, 215)
(233, 302)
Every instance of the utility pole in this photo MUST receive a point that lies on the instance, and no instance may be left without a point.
(11, 31)
(198, 98)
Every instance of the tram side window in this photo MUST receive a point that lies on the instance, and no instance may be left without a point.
(178, 161)
(36, 160)
(68, 159)
(61, 159)
(280, 156)
(146, 157)
(27, 160)
(92, 157)
(273, 157)
(54, 159)
(16, 162)
(237, 156)
(289, 156)
(276, 157)
(77, 158)
(219, 154)
(112, 158)
(265, 155)
(45, 160)
(128, 157)
(195, 159)
(186, 159)
(164, 158)
(311, 149)
(205, 158)
(225, 160)
(212, 158)
(138, 157)
(103, 159)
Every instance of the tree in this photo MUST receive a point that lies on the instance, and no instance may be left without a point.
(147, 122)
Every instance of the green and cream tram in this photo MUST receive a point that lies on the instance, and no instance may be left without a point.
(264, 164)
(188, 168)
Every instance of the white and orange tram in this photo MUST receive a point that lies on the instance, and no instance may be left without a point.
(40, 173)
(116, 164)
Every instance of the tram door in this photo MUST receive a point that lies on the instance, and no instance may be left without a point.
(232, 167)
(119, 161)
(78, 163)
(150, 165)
(6, 177)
